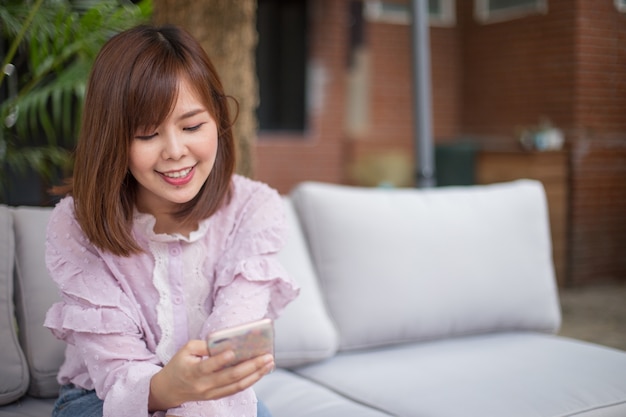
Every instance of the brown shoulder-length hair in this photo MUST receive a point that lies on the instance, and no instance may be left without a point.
(134, 84)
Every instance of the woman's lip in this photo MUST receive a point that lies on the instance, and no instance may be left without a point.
(179, 180)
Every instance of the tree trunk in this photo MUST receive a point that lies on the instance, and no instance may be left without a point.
(227, 31)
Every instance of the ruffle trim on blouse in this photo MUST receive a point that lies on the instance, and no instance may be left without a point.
(254, 259)
(83, 285)
(265, 269)
(256, 269)
(129, 396)
(145, 223)
(66, 319)
(89, 292)
(264, 242)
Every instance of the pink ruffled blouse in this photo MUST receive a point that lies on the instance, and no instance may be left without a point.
(123, 318)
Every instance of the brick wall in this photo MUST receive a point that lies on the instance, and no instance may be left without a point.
(600, 102)
(598, 209)
(598, 155)
(283, 159)
(570, 67)
(488, 81)
(518, 71)
(391, 106)
(326, 151)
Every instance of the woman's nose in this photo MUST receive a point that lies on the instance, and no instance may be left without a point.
(174, 146)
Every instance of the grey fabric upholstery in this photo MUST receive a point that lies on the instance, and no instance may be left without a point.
(14, 380)
(500, 374)
(35, 292)
(431, 264)
(288, 395)
(461, 330)
(296, 344)
(28, 407)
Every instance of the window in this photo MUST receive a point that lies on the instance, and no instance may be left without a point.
(621, 5)
(441, 12)
(488, 11)
(281, 64)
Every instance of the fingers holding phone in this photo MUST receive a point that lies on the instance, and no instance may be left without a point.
(191, 376)
(250, 351)
(246, 341)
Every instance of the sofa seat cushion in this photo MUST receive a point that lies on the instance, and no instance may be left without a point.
(406, 265)
(29, 407)
(287, 395)
(14, 380)
(507, 374)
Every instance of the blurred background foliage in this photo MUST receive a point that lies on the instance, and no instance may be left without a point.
(47, 48)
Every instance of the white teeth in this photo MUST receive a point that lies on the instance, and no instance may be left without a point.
(178, 174)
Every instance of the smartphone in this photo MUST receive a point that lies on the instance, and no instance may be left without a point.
(246, 341)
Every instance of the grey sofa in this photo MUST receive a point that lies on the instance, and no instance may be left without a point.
(414, 303)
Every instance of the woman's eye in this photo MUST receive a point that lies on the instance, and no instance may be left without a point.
(193, 128)
(145, 137)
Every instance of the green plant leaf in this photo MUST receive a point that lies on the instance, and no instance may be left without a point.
(58, 46)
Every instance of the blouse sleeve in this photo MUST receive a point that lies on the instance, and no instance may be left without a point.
(250, 284)
(250, 281)
(97, 319)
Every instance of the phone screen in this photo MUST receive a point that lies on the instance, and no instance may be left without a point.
(246, 341)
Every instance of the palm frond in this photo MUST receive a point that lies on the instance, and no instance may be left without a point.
(54, 105)
(59, 46)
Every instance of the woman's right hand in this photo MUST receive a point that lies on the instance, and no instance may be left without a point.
(192, 375)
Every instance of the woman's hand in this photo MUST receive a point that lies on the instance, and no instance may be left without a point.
(191, 375)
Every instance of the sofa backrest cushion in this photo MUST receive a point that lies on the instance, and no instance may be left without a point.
(35, 293)
(304, 332)
(402, 265)
(13, 366)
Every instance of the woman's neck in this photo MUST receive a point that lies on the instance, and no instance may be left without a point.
(167, 224)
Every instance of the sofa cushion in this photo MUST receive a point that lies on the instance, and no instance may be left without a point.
(304, 332)
(14, 380)
(287, 395)
(35, 293)
(494, 375)
(295, 344)
(402, 265)
(29, 407)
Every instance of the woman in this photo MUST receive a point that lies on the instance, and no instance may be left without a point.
(158, 243)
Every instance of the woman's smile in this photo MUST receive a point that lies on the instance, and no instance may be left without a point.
(177, 174)
(181, 152)
(178, 178)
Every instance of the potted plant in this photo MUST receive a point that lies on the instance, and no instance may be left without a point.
(49, 47)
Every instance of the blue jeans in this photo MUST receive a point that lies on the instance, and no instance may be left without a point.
(78, 402)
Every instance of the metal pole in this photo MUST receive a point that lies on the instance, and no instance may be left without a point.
(422, 120)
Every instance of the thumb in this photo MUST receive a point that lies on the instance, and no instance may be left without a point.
(197, 348)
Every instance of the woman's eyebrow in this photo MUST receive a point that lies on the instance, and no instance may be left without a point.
(191, 113)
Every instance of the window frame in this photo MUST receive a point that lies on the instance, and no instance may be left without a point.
(375, 11)
(483, 14)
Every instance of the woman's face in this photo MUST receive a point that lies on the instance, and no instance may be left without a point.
(172, 161)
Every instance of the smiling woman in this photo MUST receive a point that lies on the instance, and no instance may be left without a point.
(144, 85)
(172, 163)
(159, 243)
